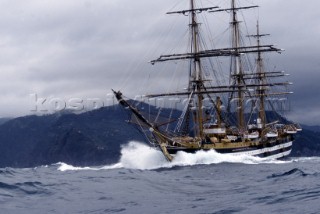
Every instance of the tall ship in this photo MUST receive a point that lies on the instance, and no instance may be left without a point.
(236, 116)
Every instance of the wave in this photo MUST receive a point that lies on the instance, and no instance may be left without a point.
(292, 172)
(29, 188)
(66, 167)
(136, 155)
(7, 171)
(306, 159)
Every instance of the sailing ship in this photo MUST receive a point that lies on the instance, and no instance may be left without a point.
(206, 127)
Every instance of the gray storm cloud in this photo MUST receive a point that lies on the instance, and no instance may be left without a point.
(83, 48)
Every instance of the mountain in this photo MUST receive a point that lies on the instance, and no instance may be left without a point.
(307, 144)
(311, 128)
(90, 138)
(4, 119)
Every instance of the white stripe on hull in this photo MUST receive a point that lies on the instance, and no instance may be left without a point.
(279, 155)
(264, 150)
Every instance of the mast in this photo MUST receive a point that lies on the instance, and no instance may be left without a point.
(238, 88)
(261, 75)
(236, 64)
(197, 82)
(218, 109)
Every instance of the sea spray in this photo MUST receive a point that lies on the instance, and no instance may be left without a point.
(137, 155)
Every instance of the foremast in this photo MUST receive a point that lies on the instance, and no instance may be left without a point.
(196, 82)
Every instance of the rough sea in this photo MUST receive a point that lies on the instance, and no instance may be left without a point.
(144, 182)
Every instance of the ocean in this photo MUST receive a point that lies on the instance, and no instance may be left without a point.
(144, 182)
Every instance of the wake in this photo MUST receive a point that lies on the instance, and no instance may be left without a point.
(136, 155)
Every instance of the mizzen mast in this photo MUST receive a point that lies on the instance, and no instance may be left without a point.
(261, 76)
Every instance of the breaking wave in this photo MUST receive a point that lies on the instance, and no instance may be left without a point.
(136, 155)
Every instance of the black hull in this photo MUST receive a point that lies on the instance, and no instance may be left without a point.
(277, 149)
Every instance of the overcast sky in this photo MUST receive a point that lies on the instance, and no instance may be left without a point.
(80, 49)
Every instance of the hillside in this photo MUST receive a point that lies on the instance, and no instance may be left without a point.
(90, 138)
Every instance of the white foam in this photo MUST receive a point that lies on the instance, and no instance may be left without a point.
(306, 159)
(140, 156)
(66, 167)
(136, 155)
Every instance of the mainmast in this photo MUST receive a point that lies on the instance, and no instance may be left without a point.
(197, 82)
(236, 64)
